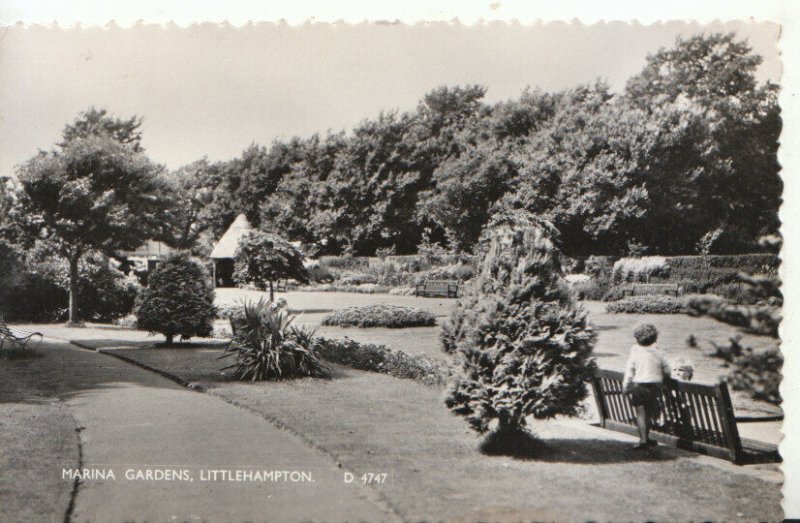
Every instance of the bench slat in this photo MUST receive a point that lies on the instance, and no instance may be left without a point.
(693, 416)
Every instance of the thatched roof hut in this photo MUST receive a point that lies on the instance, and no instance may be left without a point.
(226, 246)
(225, 249)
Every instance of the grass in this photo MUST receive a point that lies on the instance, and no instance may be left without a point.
(373, 423)
(37, 438)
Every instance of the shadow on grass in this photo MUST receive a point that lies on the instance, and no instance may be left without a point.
(525, 446)
(20, 354)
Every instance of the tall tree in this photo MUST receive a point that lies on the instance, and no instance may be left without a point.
(92, 193)
(192, 190)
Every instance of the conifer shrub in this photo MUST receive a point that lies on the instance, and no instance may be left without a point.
(178, 301)
(522, 345)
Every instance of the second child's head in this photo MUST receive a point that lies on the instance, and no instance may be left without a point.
(645, 334)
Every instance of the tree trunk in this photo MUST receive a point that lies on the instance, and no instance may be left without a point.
(73, 292)
(271, 292)
(169, 338)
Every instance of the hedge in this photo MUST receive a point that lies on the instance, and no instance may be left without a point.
(380, 315)
(649, 304)
(378, 358)
(755, 263)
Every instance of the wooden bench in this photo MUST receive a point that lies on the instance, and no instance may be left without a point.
(693, 417)
(17, 337)
(437, 288)
(638, 289)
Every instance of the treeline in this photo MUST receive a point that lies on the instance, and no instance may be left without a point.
(683, 161)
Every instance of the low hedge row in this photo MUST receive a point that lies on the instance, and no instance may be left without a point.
(380, 315)
(378, 358)
(755, 263)
(649, 304)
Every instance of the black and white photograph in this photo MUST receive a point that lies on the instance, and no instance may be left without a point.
(385, 271)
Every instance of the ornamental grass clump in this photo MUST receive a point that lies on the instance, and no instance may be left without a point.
(381, 315)
(266, 346)
(521, 344)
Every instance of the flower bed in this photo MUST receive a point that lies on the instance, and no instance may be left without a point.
(380, 315)
(649, 304)
(378, 358)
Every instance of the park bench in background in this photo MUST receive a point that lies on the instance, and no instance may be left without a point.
(693, 417)
(17, 337)
(637, 289)
(438, 289)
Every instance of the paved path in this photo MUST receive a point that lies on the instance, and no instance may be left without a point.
(136, 420)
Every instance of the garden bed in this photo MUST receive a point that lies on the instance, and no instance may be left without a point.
(380, 315)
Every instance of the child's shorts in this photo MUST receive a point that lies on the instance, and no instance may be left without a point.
(646, 394)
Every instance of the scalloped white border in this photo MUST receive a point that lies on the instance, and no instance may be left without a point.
(87, 13)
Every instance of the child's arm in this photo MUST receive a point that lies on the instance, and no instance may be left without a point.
(630, 372)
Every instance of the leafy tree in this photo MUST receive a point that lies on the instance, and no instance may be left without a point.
(711, 79)
(192, 191)
(93, 193)
(466, 187)
(97, 122)
(521, 343)
(262, 258)
(178, 300)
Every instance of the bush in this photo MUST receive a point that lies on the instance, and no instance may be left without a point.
(366, 288)
(380, 315)
(343, 262)
(613, 294)
(589, 290)
(751, 263)
(179, 300)
(377, 358)
(104, 292)
(523, 345)
(319, 274)
(639, 269)
(763, 320)
(33, 297)
(649, 304)
(35, 288)
(267, 346)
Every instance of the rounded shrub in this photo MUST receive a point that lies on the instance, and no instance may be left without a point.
(178, 301)
(380, 315)
(521, 343)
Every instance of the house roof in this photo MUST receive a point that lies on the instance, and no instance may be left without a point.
(150, 249)
(226, 246)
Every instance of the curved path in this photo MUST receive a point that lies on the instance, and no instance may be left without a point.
(132, 421)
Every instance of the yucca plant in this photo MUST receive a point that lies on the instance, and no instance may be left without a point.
(267, 346)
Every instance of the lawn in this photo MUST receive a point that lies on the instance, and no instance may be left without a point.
(36, 431)
(372, 423)
(614, 332)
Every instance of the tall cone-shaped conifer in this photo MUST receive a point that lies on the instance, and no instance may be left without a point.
(522, 345)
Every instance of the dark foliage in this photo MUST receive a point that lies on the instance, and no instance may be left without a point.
(178, 301)
(521, 343)
(266, 346)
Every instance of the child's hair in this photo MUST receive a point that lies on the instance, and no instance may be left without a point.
(645, 334)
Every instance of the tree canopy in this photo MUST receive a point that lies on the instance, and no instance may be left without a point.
(96, 192)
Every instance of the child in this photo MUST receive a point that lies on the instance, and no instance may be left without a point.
(645, 373)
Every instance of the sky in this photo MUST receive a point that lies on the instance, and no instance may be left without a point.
(211, 90)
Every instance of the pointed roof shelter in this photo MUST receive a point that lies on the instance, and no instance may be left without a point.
(226, 246)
